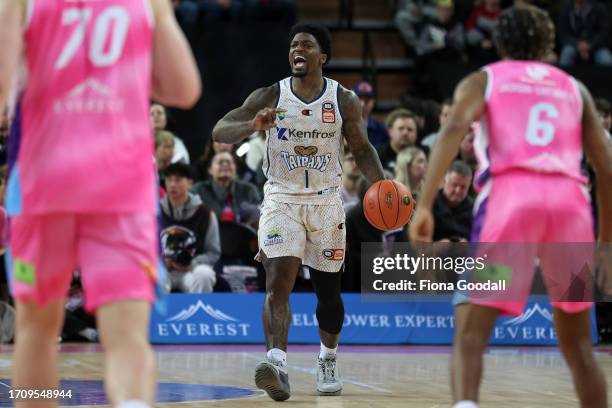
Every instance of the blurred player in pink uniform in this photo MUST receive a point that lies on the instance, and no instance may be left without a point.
(536, 120)
(82, 190)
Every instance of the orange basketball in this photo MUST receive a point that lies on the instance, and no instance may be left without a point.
(388, 205)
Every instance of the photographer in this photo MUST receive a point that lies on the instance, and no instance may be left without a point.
(190, 234)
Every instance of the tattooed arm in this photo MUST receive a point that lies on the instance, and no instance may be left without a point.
(256, 113)
(354, 130)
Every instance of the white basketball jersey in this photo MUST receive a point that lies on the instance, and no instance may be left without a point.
(303, 151)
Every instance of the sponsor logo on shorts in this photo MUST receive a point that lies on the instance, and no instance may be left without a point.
(328, 112)
(334, 254)
(24, 272)
(274, 237)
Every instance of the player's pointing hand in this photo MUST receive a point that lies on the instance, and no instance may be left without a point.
(266, 118)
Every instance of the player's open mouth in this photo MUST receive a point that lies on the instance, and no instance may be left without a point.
(299, 61)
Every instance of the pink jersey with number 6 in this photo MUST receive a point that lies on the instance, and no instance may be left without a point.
(533, 121)
(531, 187)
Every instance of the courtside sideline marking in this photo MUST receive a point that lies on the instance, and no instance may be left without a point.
(313, 371)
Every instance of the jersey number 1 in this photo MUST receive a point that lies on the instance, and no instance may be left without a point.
(110, 27)
(540, 129)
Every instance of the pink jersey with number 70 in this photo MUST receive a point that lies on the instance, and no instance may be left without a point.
(81, 140)
(533, 121)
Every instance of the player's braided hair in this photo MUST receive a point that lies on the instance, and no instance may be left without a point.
(524, 33)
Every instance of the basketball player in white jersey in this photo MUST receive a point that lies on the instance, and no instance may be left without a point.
(302, 220)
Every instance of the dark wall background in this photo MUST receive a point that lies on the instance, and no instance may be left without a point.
(234, 59)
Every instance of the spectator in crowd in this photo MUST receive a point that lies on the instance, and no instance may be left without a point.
(164, 149)
(377, 133)
(452, 209)
(425, 111)
(410, 168)
(230, 199)
(442, 38)
(190, 234)
(604, 109)
(410, 17)
(429, 140)
(202, 166)
(159, 118)
(479, 31)
(584, 32)
(350, 176)
(402, 126)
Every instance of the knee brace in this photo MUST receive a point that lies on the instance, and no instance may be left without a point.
(330, 309)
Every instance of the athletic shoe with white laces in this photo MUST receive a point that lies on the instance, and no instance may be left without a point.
(328, 377)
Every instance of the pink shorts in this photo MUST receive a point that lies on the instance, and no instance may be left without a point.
(116, 255)
(550, 218)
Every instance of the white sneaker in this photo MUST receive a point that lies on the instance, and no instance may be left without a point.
(328, 377)
(273, 379)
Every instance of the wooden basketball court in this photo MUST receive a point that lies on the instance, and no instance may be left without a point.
(389, 377)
